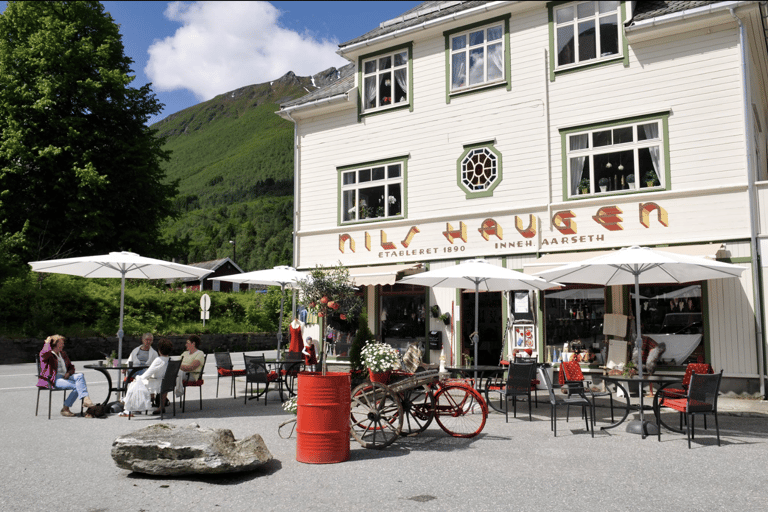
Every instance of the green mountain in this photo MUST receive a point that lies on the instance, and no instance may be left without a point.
(233, 159)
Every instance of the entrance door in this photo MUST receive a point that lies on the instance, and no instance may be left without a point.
(490, 326)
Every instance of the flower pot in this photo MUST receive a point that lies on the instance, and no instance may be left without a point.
(631, 185)
(603, 188)
(382, 377)
(322, 417)
(649, 183)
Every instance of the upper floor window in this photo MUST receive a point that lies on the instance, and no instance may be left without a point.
(479, 169)
(372, 192)
(385, 79)
(477, 57)
(617, 158)
(586, 32)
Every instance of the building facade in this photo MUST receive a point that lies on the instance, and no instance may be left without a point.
(536, 133)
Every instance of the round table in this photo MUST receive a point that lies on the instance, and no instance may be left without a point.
(638, 427)
(104, 369)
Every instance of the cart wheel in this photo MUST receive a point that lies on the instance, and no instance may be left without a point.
(495, 392)
(419, 407)
(376, 415)
(461, 411)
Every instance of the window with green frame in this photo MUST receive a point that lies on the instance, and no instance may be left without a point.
(372, 191)
(385, 79)
(479, 169)
(586, 33)
(616, 157)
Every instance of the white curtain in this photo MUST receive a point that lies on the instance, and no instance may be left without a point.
(370, 92)
(401, 76)
(577, 163)
(496, 56)
(459, 72)
(652, 132)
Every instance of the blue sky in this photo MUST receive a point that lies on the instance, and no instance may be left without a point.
(193, 51)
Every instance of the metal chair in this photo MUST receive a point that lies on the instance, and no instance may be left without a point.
(572, 377)
(193, 383)
(677, 392)
(534, 381)
(256, 372)
(168, 386)
(50, 389)
(700, 399)
(572, 399)
(519, 384)
(224, 369)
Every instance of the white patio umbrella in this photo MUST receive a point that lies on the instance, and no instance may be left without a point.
(635, 265)
(282, 276)
(123, 265)
(480, 275)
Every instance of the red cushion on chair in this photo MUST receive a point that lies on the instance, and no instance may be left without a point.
(273, 376)
(228, 373)
(572, 371)
(695, 368)
(680, 404)
(189, 383)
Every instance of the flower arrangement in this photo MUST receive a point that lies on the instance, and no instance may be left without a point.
(379, 357)
(291, 405)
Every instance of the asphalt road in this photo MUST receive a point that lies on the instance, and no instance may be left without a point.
(65, 463)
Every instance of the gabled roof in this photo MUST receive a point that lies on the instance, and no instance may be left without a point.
(646, 10)
(212, 265)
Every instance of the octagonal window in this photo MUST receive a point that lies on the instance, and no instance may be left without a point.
(479, 170)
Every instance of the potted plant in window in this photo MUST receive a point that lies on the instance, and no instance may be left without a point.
(584, 186)
(651, 179)
(603, 183)
(631, 181)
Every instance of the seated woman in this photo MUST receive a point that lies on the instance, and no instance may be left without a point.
(192, 359)
(144, 354)
(153, 377)
(56, 370)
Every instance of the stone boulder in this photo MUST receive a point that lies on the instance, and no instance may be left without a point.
(169, 450)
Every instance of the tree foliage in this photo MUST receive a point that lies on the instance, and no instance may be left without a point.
(80, 172)
(331, 292)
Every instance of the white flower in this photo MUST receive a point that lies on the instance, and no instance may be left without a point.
(392, 200)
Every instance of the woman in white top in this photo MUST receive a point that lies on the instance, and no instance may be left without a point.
(153, 377)
(144, 353)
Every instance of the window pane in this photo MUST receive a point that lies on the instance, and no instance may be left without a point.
(585, 9)
(565, 45)
(370, 67)
(401, 58)
(401, 85)
(370, 92)
(348, 178)
(476, 66)
(458, 42)
(495, 33)
(609, 36)
(608, 6)
(602, 138)
(393, 171)
(395, 200)
(622, 135)
(580, 141)
(648, 161)
(364, 175)
(374, 200)
(563, 15)
(378, 173)
(476, 38)
(495, 62)
(458, 71)
(580, 167)
(587, 40)
(385, 89)
(348, 205)
(385, 62)
(648, 131)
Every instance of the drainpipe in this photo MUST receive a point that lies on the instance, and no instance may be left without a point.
(755, 247)
(296, 167)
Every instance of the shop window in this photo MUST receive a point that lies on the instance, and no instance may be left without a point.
(479, 170)
(373, 192)
(574, 320)
(386, 80)
(586, 32)
(616, 158)
(403, 316)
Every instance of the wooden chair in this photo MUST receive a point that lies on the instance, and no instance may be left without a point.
(572, 399)
(193, 383)
(700, 399)
(224, 369)
(50, 389)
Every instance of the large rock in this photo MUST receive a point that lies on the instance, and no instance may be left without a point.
(163, 449)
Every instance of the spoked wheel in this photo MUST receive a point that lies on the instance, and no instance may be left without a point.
(495, 392)
(419, 408)
(461, 411)
(376, 416)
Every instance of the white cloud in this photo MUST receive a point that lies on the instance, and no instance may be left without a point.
(222, 46)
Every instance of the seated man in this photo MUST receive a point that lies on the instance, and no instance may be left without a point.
(57, 371)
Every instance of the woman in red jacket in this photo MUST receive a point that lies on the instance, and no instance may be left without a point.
(57, 371)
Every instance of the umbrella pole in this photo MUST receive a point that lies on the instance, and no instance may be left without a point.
(477, 315)
(280, 326)
(120, 330)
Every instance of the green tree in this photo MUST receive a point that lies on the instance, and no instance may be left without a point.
(80, 172)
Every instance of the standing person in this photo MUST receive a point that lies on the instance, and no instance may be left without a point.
(144, 354)
(57, 371)
(310, 354)
(192, 359)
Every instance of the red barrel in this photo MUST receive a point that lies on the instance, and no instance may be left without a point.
(322, 417)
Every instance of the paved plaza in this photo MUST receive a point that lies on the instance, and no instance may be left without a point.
(65, 463)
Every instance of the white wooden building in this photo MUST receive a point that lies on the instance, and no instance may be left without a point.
(467, 129)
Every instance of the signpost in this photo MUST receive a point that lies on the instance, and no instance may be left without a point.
(205, 305)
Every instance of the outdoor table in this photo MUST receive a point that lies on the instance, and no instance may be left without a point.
(638, 427)
(285, 380)
(104, 369)
(484, 371)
